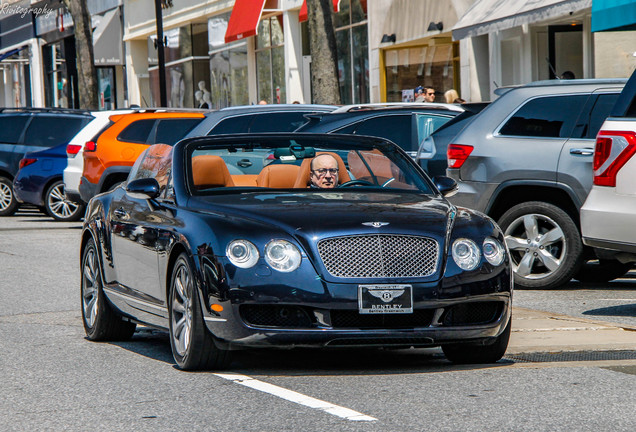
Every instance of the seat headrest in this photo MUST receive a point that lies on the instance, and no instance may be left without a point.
(278, 176)
(210, 171)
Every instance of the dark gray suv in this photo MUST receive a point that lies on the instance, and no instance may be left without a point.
(526, 161)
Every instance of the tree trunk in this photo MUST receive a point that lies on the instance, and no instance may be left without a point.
(86, 71)
(324, 58)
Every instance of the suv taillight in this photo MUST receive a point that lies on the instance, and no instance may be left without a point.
(73, 149)
(613, 150)
(26, 161)
(90, 146)
(456, 154)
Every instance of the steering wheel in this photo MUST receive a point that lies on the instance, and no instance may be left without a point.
(357, 182)
(386, 183)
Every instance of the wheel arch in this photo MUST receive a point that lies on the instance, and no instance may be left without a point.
(48, 185)
(176, 250)
(509, 195)
(6, 174)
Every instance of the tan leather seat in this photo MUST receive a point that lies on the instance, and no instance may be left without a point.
(278, 176)
(302, 181)
(210, 171)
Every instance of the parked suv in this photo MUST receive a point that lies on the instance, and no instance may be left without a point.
(24, 130)
(609, 213)
(526, 161)
(108, 160)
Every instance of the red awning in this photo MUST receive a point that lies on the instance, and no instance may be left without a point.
(244, 19)
(302, 17)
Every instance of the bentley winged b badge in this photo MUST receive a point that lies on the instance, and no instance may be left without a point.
(375, 224)
(386, 296)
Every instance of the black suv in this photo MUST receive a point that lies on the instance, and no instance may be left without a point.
(406, 124)
(24, 130)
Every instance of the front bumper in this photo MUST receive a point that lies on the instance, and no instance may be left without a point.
(335, 322)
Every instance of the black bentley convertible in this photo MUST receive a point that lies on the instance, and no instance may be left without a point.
(225, 260)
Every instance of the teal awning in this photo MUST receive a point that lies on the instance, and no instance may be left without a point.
(613, 15)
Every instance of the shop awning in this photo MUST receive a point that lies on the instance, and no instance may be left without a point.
(244, 19)
(487, 16)
(107, 43)
(613, 15)
(302, 17)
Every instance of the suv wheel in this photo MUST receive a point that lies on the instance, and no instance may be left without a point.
(8, 204)
(58, 207)
(544, 243)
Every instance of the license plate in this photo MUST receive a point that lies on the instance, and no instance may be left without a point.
(385, 299)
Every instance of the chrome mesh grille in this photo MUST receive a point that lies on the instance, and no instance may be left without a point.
(379, 256)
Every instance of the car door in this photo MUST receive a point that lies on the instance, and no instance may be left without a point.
(137, 225)
(575, 162)
(529, 142)
(11, 133)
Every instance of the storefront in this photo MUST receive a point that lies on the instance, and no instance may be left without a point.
(20, 84)
(411, 46)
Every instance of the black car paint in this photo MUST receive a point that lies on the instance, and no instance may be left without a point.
(143, 237)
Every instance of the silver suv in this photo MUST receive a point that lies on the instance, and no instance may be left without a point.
(526, 161)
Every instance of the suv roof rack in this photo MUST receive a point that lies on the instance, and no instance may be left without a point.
(385, 105)
(45, 110)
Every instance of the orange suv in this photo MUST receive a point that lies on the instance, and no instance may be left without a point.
(109, 158)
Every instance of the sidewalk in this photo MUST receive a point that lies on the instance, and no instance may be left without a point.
(538, 331)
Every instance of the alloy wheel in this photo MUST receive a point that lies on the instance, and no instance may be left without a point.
(181, 305)
(6, 196)
(60, 207)
(90, 288)
(537, 245)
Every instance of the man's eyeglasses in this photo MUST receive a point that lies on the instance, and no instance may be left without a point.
(430, 94)
(323, 171)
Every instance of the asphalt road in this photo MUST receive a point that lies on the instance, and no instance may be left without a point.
(52, 378)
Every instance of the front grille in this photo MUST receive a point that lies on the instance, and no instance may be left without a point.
(379, 256)
(276, 316)
(353, 319)
(472, 313)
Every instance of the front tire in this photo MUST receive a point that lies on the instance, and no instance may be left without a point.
(101, 323)
(60, 208)
(544, 242)
(192, 344)
(479, 354)
(8, 203)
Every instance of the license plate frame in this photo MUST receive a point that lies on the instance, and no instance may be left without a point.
(385, 299)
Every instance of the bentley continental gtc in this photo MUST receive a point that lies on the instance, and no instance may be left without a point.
(339, 241)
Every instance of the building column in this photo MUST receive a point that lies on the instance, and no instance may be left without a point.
(137, 76)
(293, 57)
(37, 73)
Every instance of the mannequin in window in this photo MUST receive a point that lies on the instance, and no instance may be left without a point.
(205, 96)
(201, 102)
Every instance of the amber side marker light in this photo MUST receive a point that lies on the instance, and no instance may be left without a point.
(216, 307)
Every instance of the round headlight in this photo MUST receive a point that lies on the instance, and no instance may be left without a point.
(493, 251)
(283, 256)
(466, 254)
(242, 253)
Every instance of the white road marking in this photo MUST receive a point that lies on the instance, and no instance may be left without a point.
(295, 397)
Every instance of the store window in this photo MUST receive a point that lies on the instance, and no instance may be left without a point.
(352, 45)
(429, 66)
(227, 65)
(106, 87)
(60, 74)
(270, 61)
(187, 71)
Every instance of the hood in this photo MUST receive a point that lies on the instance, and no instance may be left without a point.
(315, 215)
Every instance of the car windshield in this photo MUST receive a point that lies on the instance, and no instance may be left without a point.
(308, 163)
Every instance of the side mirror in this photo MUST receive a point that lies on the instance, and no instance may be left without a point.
(446, 185)
(144, 188)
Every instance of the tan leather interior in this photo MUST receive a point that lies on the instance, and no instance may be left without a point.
(278, 176)
(210, 171)
(302, 181)
(244, 179)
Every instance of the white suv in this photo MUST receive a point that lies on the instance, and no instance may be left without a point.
(75, 150)
(608, 215)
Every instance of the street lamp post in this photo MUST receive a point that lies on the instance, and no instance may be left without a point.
(163, 98)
